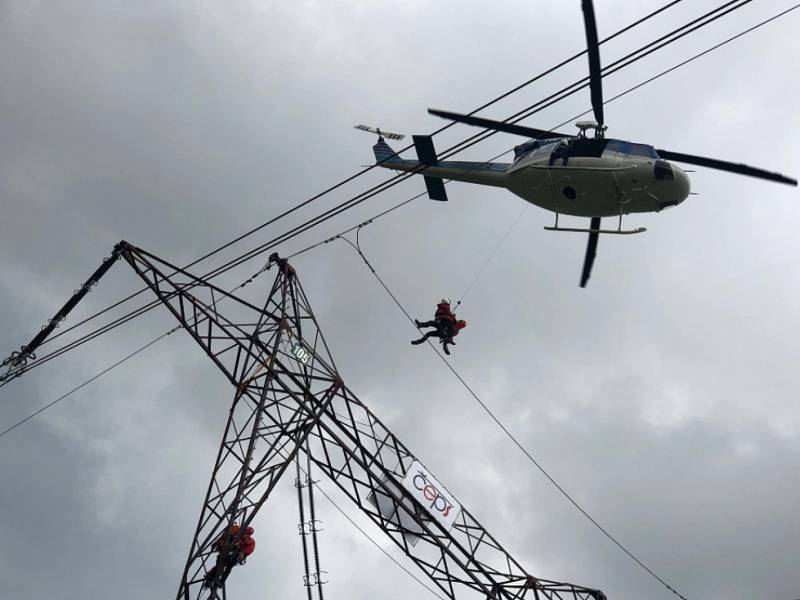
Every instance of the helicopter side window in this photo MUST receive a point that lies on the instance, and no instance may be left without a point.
(535, 148)
(643, 150)
(619, 146)
(631, 149)
(586, 147)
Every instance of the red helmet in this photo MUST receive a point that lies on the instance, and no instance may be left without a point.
(461, 323)
(249, 531)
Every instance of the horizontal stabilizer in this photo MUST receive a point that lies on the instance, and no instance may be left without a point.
(426, 153)
(427, 156)
(436, 189)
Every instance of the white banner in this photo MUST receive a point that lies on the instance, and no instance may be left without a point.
(439, 503)
(399, 514)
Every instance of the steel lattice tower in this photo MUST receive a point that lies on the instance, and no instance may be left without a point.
(289, 398)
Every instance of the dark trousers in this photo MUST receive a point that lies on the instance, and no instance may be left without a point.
(442, 329)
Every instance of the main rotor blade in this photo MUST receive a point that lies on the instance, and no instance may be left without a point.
(539, 134)
(722, 165)
(591, 250)
(595, 77)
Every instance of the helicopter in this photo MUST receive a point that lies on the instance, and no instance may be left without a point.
(577, 175)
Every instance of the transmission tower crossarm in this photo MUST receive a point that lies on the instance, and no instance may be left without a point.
(16, 360)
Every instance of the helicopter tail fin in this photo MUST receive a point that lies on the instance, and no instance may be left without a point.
(384, 155)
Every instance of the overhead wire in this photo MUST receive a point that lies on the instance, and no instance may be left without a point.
(368, 536)
(407, 201)
(197, 321)
(88, 381)
(456, 374)
(565, 122)
(365, 170)
(676, 34)
(347, 205)
(469, 389)
(357, 247)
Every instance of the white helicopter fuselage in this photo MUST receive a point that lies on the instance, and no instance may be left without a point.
(604, 186)
(582, 177)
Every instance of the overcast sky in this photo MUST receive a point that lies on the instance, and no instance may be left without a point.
(663, 397)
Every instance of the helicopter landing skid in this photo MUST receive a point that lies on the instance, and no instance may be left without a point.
(588, 230)
(618, 231)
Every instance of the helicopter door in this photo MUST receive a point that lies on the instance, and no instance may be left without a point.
(584, 192)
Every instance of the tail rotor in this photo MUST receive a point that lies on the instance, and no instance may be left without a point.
(385, 134)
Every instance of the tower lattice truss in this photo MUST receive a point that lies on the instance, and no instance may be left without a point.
(289, 398)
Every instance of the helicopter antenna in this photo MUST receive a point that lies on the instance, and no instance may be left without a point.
(388, 134)
(599, 130)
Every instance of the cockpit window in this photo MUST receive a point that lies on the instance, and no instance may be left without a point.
(526, 148)
(537, 147)
(631, 149)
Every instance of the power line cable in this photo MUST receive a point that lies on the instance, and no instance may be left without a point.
(510, 435)
(122, 360)
(478, 137)
(607, 101)
(370, 538)
(88, 381)
(309, 224)
(475, 396)
(345, 206)
(358, 174)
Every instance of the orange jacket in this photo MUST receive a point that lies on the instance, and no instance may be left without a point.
(443, 312)
(226, 536)
(248, 545)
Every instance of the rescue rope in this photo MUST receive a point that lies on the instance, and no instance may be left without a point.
(511, 436)
(492, 255)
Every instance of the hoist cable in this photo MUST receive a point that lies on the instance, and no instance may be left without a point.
(363, 171)
(510, 435)
(492, 255)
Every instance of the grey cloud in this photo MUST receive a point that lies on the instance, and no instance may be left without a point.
(662, 396)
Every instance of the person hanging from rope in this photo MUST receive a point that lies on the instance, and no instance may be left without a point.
(445, 325)
(236, 549)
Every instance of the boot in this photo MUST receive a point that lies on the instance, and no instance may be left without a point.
(418, 323)
(446, 350)
(417, 342)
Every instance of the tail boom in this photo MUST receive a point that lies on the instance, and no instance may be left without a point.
(483, 173)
